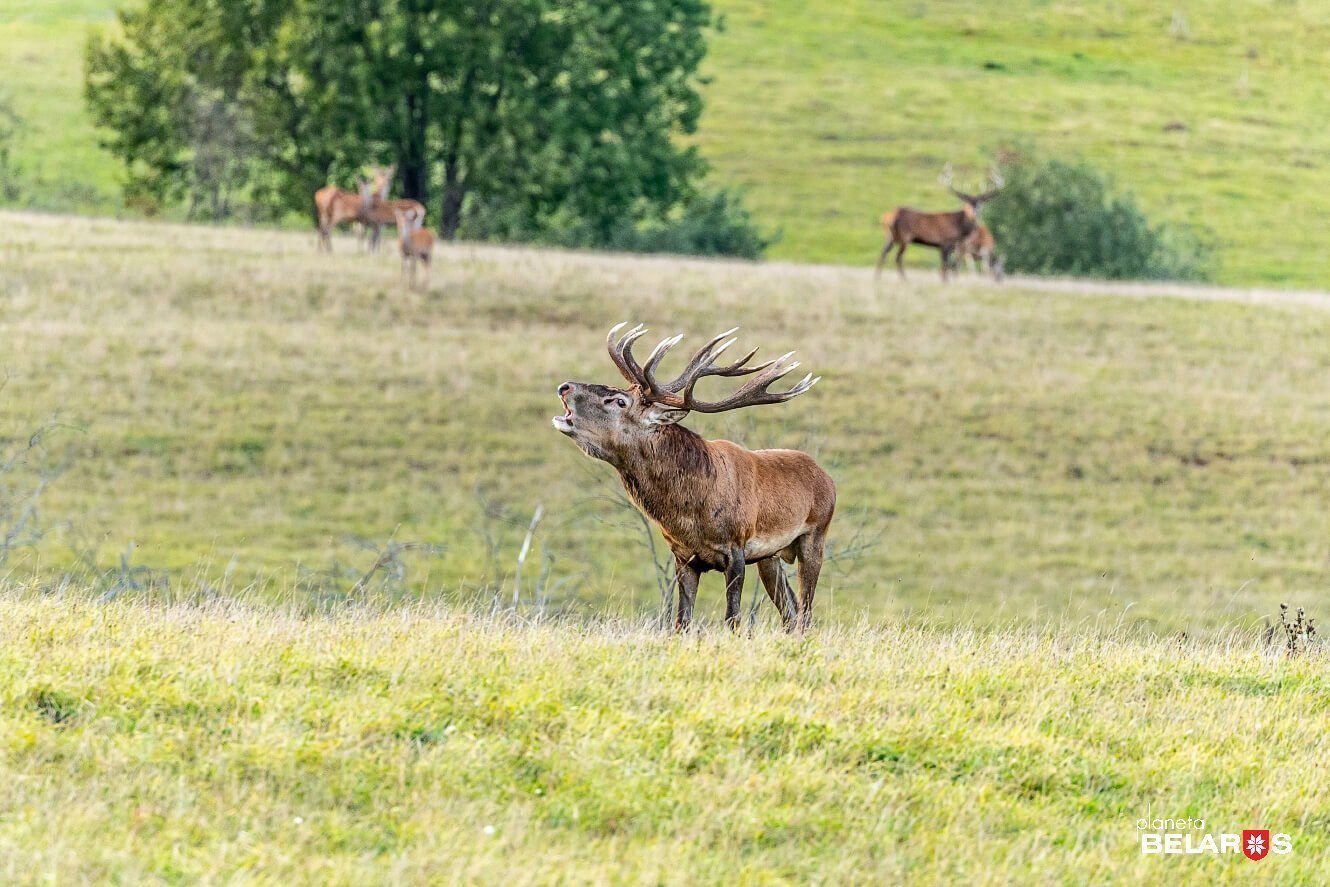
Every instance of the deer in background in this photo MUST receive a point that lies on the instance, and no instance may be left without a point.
(945, 232)
(718, 505)
(335, 206)
(417, 243)
(981, 247)
(380, 211)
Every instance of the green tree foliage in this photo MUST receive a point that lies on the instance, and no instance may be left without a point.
(1063, 217)
(546, 115)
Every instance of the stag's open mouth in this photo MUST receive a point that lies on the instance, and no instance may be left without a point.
(564, 423)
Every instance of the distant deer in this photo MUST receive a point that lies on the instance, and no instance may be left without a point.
(981, 247)
(718, 505)
(380, 211)
(945, 232)
(335, 206)
(417, 244)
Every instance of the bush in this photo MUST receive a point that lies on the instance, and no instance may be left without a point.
(1063, 217)
(709, 223)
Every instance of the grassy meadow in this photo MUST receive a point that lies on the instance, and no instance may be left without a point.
(830, 113)
(245, 412)
(223, 744)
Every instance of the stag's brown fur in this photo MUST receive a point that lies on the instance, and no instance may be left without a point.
(718, 505)
(945, 232)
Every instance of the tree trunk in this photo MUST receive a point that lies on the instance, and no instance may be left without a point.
(454, 194)
(450, 214)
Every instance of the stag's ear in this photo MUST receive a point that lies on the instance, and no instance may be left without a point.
(661, 415)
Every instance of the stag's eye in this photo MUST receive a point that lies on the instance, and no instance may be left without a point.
(618, 400)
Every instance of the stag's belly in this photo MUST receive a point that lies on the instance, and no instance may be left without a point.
(761, 547)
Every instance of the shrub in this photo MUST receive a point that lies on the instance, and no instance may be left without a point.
(1064, 217)
(711, 224)
(708, 223)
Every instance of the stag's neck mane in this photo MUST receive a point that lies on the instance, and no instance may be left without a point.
(654, 469)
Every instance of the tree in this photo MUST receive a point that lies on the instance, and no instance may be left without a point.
(563, 112)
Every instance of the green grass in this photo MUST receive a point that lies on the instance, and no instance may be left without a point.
(223, 744)
(41, 75)
(241, 408)
(830, 114)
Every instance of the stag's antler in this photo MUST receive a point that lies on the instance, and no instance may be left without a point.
(678, 393)
(994, 177)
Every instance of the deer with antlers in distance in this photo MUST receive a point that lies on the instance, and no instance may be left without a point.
(718, 505)
(417, 244)
(944, 231)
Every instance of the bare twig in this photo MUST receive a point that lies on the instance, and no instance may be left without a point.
(521, 555)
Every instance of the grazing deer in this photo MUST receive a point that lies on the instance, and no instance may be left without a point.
(945, 232)
(417, 244)
(380, 211)
(981, 248)
(718, 505)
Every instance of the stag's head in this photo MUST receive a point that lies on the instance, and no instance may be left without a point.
(974, 203)
(609, 422)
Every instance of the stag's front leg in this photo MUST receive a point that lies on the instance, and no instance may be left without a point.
(686, 576)
(734, 586)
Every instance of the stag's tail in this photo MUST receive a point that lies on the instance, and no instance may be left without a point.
(888, 221)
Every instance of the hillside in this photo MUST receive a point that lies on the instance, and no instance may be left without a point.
(828, 114)
(239, 408)
(418, 745)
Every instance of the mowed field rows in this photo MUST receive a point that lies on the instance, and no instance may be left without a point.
(427, 745)
(245, 411)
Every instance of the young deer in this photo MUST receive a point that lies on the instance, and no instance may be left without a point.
(417, 243)
(982, 249)
(718, 505)
(945, 232)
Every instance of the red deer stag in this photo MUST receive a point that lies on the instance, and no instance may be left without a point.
(417, 244)
(719, 506)
(380, 211)
(945, 232)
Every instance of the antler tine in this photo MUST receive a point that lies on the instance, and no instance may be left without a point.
(621, 352)
(700, 362)
(755, 391)
(653, 359)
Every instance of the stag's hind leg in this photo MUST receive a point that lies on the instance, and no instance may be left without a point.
(809, 551)
(778, 589)
(882, 257)
(900, 260)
